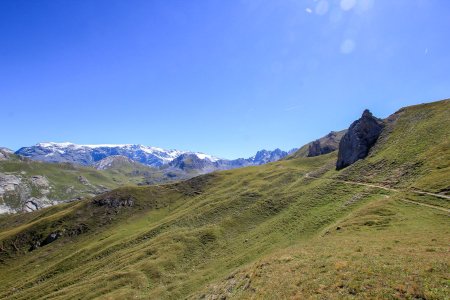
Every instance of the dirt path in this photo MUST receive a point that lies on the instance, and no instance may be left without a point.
(307, 175)
(427, 205)
(431, 194)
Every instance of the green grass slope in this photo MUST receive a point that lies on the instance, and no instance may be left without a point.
(290, 229)
(64, 179)
(412, 152)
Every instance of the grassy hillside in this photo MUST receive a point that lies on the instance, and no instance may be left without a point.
(290, 229)
(66, 181)
(413, 151)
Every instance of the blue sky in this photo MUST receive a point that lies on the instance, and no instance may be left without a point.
(222, 77)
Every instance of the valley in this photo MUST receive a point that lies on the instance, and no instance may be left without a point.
(50, 173)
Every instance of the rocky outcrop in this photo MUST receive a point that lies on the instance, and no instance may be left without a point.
(325, 145)
(16, 193)
(13, 191)
(5, 153)
(83, 180)
(360, 137)
(8, 183)
(114, 201)
(34, 203)
(49, 239)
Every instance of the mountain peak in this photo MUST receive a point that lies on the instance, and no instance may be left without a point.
(367, 114)
(92, 154)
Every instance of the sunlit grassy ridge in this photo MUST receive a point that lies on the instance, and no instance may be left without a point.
(413, 151)
(282, 230)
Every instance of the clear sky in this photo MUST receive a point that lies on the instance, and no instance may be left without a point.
(225, 77)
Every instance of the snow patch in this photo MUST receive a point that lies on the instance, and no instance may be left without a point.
(206, 156)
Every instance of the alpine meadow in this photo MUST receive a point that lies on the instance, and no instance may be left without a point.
(225, 150)
(295, 228)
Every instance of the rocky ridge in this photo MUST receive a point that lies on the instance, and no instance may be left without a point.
(325, 145)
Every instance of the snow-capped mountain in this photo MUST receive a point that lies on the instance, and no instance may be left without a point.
(91, 155)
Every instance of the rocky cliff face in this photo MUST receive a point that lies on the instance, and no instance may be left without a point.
(23, 193)
(325, 145)
(358, 140)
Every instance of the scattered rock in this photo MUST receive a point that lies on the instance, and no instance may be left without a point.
(113, 201)
(358, 140)
(31, 205)
(83, 180)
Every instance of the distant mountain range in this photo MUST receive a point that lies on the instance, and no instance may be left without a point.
(92, 155)
(50, 173)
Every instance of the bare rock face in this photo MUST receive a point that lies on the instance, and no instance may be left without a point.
(325, 145)
(358, 140)
(40, 181)
(3, 156)
(5, 153)
(34, 203)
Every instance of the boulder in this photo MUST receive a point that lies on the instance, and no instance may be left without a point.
(49, 239)
(360, 137)
(40, 181)
(83, 180)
